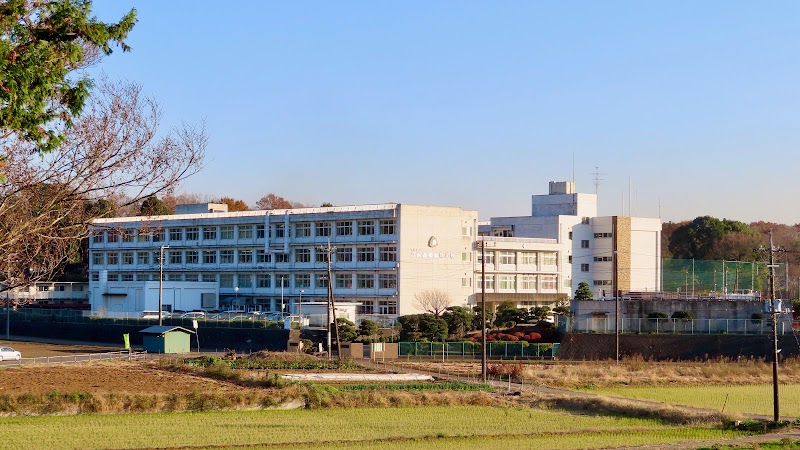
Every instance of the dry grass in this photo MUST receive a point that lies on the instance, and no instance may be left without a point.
(629, 372)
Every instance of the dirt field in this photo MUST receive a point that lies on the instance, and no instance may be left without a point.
(99, 377)
(37, 349)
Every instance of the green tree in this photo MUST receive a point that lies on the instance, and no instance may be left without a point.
(539, 314)
(42, 45)
(459, 320)
(326, 205)
(583, 292)
(562, 308)
(153, 206)
(347, 329)
(702, 238)
(433, 328)
(368, 328)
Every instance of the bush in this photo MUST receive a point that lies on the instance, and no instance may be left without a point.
(657, 315)
(756, 318)
(683, 315)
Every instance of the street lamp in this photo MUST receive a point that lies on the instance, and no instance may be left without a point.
(236, 291)
(300, 308)
(161, 283)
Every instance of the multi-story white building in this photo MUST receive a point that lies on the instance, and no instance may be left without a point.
(52, 294)
(381, 256)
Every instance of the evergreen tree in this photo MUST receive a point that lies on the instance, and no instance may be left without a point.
(583, 292)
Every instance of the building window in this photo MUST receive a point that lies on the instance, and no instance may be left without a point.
(41, 288)
(191, 257)
(156, 257)
(302, 281)
(344, 281)
(508, 282)
(175, 257)
(226, 256)
(569, 259)
(549, 258)
(344, 254)
(113, 258)
(584, 267)
(603, 258)
(97, 237)
(344, 228)
(95, 276)
(209, 277)
(488, 282)
(113, 277)
(128, 235)
(98, 258)
(387, 281)
(321, 256)
(366, 228)
(263, 280)
(245, 231)
(77, 288)
(282, 280)
(489, 256)
(529, 282)
(174, 277)
(143, 277)
(387, 227)
(226, 232)
(602, 282)
(323, 228)
(244, 280)
(262, 256)
(209, 256)
(584, 243)
(466, 282)
(226, 280)
(245, 256)
(159, 235)
(387, 307)
(508, 258)
(466, 256)
(388, 253)
(365, 308)
(321, 280)
(113, 236)
(280, 230)
(302, 230)
(366, 254)
(365, 281)
(126, 277)
(176, 234)
(192, 277)
(302, 255)
(603, 235)
(466, 231)
(143, 236)
(548, 282)
(570, 235)
(260, 233)
(209, 233)
(528, 258)
(281, 257)
(192, 234)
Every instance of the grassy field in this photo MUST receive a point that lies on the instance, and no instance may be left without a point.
(746, 399)
(416, 428)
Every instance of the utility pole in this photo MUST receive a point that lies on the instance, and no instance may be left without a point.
(331, 306)
(483, 312)
(161, 283)
(774, 313)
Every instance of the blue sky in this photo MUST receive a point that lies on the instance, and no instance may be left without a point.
(480, 104)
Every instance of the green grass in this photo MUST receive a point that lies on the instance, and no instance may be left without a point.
(416, 428)
(746, 399)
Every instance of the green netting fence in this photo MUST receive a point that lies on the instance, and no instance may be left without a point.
(499, 350)
(702, 277)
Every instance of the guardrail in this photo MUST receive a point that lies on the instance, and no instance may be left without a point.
(80, 358)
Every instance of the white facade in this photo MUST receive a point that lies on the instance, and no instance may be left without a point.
(52, 293)
(381, 255)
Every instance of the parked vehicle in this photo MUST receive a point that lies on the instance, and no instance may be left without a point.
(194, 315)
(9, 354)
(154, 314)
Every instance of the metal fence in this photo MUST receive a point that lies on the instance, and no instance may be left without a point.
(82, 358)
(499, 350)
(679, 326)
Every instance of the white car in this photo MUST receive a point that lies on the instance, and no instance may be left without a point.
(9, 354)
(194, 315)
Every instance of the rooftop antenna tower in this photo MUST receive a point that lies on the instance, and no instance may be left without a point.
(597, 178)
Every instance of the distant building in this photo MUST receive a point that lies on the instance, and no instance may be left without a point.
(52, 294)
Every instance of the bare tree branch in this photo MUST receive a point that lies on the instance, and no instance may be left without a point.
(434, 301)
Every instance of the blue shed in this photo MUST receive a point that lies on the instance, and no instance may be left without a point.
(167, 339)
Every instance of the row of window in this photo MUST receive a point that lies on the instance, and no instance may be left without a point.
(58, 288)
(386, 227)
(246, 256)
(348, 280)
(526, 282)
(524, 258)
